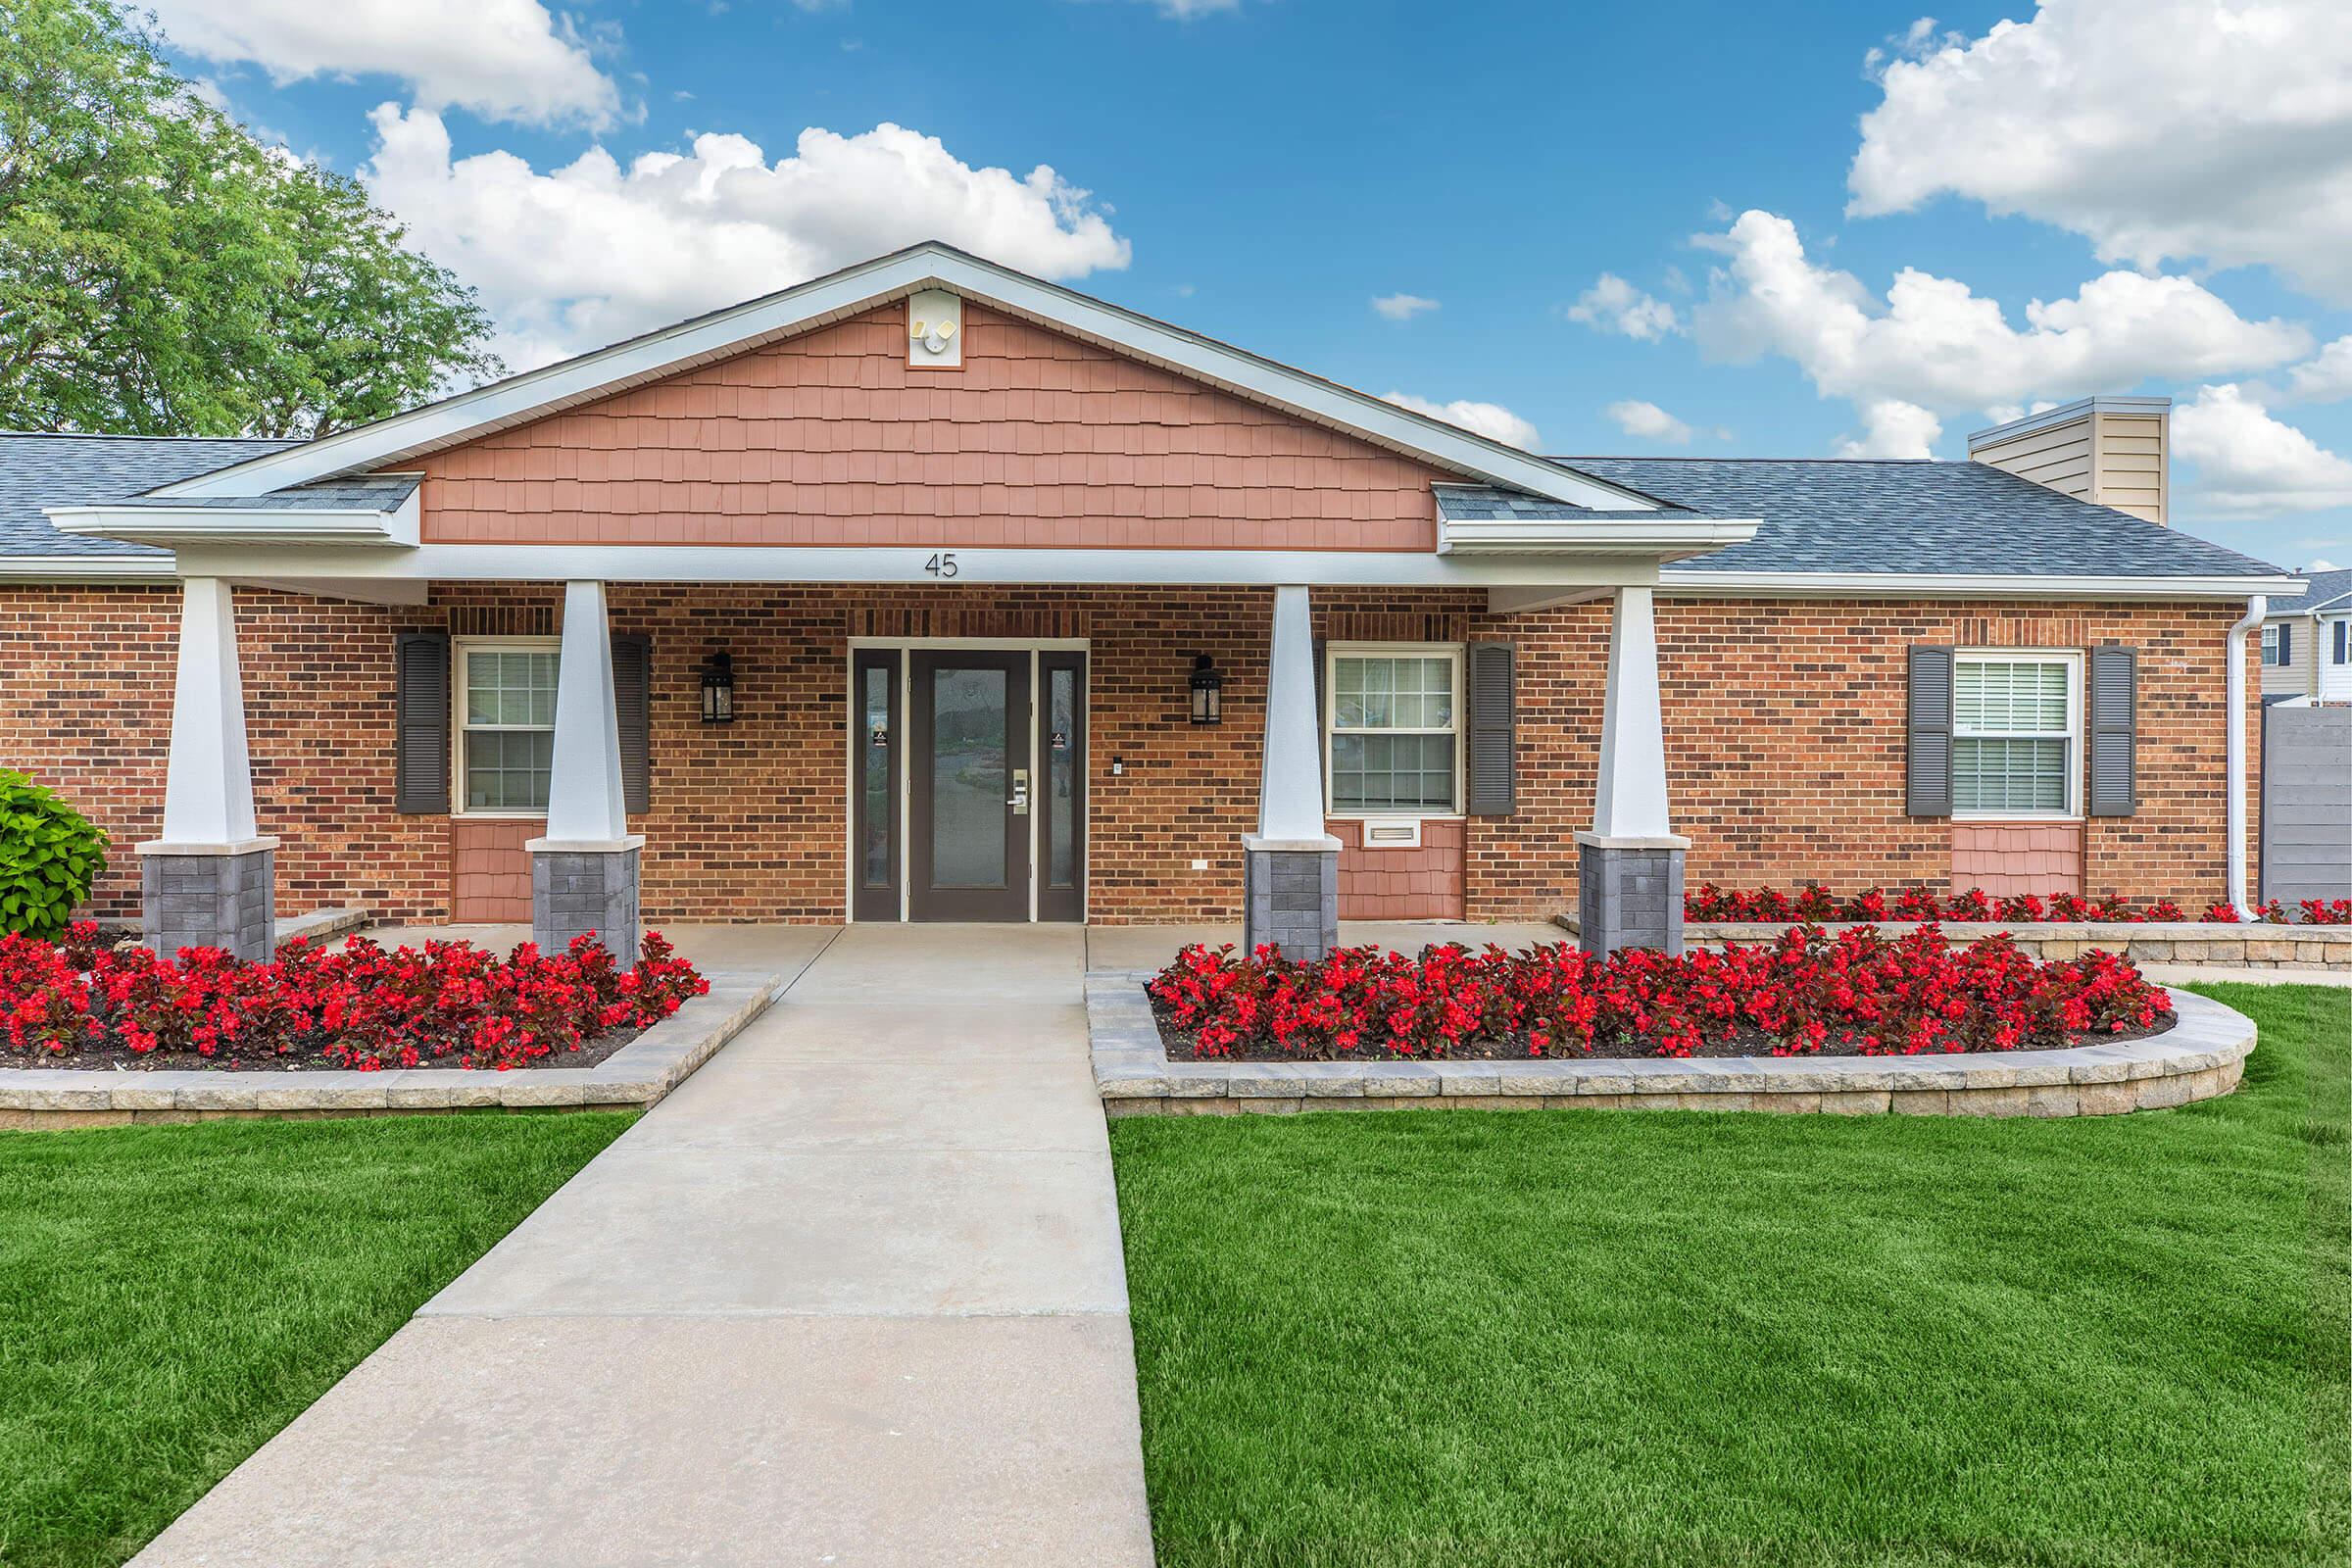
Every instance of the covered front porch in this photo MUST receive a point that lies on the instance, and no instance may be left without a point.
(592, 755)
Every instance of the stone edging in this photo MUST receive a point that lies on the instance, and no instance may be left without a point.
(638, 1074)
(2198, 1059)
(2248, 947)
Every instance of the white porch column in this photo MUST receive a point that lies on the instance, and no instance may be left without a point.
(208, 791)
(209, 879)
(1291, 864)
(585, 804)
(1631, 798)
(1630, 864)
(584, 871)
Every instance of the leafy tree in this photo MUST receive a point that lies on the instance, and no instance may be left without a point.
(164, 273)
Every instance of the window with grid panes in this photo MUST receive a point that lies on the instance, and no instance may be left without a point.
(2013, 735)
(508, 726)
(1395, 726)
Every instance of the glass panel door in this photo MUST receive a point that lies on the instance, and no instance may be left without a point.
(970, 786)
(1061, 802)
(875, 747)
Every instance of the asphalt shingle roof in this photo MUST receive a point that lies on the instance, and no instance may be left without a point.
(2329, 590)
(1484, 502)
(67, 471)
(1912, 516)
(361, 492)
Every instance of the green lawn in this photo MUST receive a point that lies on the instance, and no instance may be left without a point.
(1453, 1337)
(171, 1297)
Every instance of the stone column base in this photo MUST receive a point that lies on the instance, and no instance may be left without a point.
(209, 896)
(1629, 893)
(1291, 896)
(585, 889)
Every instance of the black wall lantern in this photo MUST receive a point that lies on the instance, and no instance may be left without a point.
(719, 690)
(1209, 702)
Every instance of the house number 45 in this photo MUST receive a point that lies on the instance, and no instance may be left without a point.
(941, 565)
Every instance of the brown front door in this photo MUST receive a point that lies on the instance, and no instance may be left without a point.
(969, 834)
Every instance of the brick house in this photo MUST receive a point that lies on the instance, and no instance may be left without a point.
(928, 589)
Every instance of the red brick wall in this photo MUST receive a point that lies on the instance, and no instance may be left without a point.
(1783, 731)
(85, 706)
(829, 439)
(1785, 740)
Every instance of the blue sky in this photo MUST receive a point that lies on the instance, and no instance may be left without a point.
(1264, 171)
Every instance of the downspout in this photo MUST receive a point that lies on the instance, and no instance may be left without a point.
(2256, 607)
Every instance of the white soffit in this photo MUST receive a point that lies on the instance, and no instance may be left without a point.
(173, 527)
(723, 334)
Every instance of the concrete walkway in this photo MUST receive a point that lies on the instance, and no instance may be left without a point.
(851, 1295)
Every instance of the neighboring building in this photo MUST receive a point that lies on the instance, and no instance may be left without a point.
(951, 547)
(2306, 643)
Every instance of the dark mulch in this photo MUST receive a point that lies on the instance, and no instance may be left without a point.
(119, 1058)
(1182, 1045)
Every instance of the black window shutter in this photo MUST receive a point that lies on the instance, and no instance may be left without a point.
(2286, 642)
(1493, 730)
(2113, 714)
(1928, 773)
(632, 706)
(420, 721)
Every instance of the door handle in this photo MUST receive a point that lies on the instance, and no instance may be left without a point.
(1021, 792)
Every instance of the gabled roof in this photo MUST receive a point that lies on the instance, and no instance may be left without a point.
(2329, 593)
(738, 330)
(47, 471)
(1845, 516)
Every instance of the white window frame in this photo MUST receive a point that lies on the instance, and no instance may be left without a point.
(1333, 652)
(461, 649)
(2339, 642)
(2072, 659)
(2272, 636)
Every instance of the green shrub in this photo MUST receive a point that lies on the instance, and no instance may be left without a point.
(49, 856)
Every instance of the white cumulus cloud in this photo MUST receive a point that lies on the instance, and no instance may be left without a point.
(2250, 464)
(501, 59)
(2325, 379)
(1613, 304)
(1934, 344)
(1403, 307)
(1892, 428)
(2217, 129)
(1490, 419)
(577, 256)
(1647, 422)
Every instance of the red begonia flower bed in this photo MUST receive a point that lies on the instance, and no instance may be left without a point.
(452, 1004)
(1814, 903)
(1862, 993)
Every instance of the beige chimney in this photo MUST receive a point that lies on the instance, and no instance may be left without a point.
(2111, 450)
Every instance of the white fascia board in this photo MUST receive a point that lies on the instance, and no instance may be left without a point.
(721, 565)
(176, 527)
(1958, 585)
(1550, 536)
(87, 568)
(535, 394)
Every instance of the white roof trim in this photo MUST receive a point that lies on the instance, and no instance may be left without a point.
(176, 526)
(1674, 537)
(86, 568)
(1961, 585)
(726, 333)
